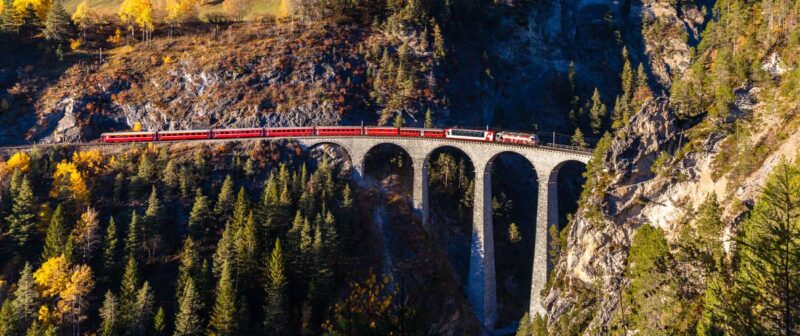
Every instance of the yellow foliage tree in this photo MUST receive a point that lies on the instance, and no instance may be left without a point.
(137, 127)
(236, 8)
(137, 13)
(90, 161)
(68, 181)
(19, 160)
(83, 16)
(179, 11)
(57, 278)
(41, 7)
(54, 276)
(73, 303)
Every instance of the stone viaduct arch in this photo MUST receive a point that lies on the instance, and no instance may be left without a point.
(481, 282)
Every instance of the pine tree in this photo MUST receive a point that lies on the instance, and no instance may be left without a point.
(143, 313)
(187, 319)
(275, 309)
(26, 297)
(119, 185)
(86, 234)
(438, 42)
(146, 172)
(58, 25)
(187, 267)
(246, 248)
(765, 293)
(597, 112)
(159, 323)
(578, 139)
(171, 177)
(30, 23)
(8, 323)
(224, 320)
(57, 233)
(23, 213)
(240, 209)
(225, 201)
(200, 216)
(226, 251)
(133, 242)
(154, 213)
(109, 315)
(129, 293)
(428, 118)
(110, 247)
(398, 120)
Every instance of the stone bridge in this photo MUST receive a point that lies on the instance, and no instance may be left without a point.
(546, 161)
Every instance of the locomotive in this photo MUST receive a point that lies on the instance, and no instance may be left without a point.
(332, 131)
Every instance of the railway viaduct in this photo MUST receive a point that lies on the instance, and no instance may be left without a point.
(481, 285)
(546, 161)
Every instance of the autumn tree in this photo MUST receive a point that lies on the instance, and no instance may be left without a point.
(10, 19)
(181, 11)
(86, 234)
(137, 13)
(236, 8)
(83, 16)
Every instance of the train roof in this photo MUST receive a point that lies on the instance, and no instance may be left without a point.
(185, 131)
(128, 133)
(237, 129)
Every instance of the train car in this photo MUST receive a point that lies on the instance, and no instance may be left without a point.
(517, 138)
(468, 134)
(381, 131)
(339, 130)
(128, 137)
(289, 132)
(411, 132)
(184, 135)
(433, 133)
(236, 133)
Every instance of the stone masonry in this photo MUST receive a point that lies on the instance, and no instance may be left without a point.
(481, 287)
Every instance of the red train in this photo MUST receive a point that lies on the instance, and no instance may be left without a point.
(331, 131)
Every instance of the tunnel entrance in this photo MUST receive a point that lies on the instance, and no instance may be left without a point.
(514, 204)
(451, 176)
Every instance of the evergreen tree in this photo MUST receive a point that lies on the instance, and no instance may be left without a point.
(187, 319)
(225, 201)
(622, 105)
(57, 233)
(246, 248)
(240, 209)
(133, 242)
(159, 323)
(119, 185)
(30, 23)
(109, 315)
(578, 139)
(154, 213)
(58, 25)
(398, 120)
(224, 319)
(275, 317)
(146, 172)
(188, 264)
(765, 293)
(428, 118)
(143, 312)
(110, 246)
(226, 251)
(23, 214)
(597, 112)
(8, 323)
(26, 297)
(200, 216)
(129, 294)
(171, 177)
